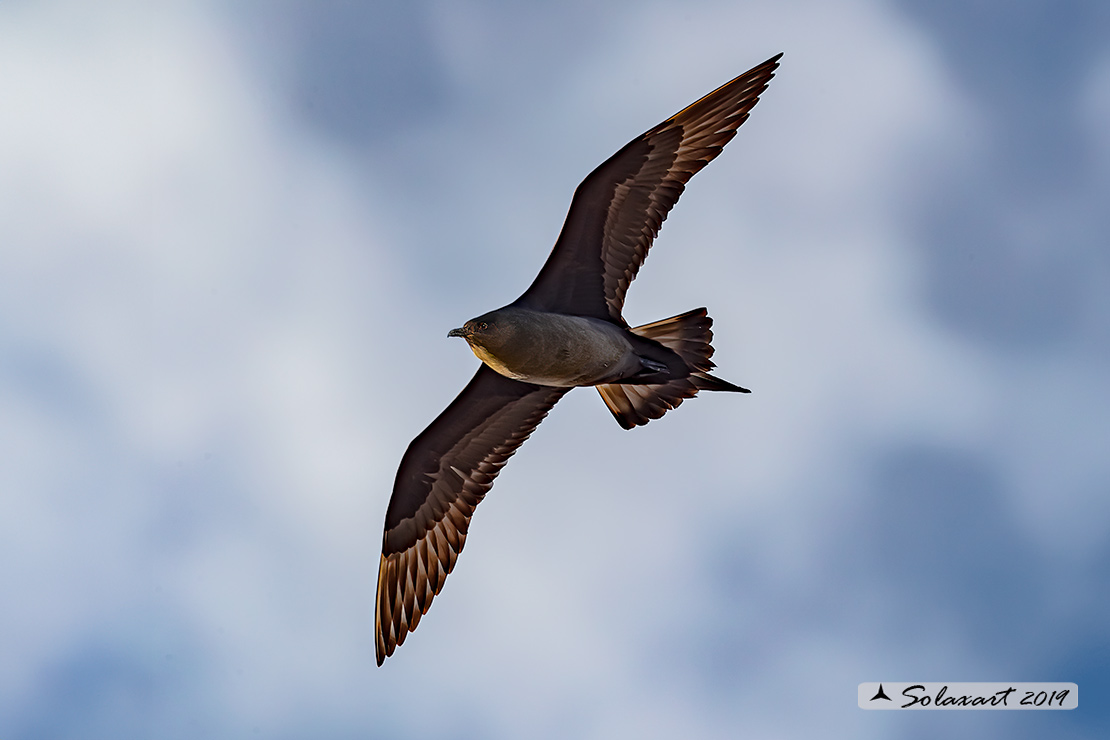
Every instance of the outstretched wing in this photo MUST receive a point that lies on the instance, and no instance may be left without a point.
(445, 472)
(618, 209)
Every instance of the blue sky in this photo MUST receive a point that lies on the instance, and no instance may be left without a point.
(234, 237)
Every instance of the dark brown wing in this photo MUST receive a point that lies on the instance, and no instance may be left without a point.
(445, 472)
(617, 211)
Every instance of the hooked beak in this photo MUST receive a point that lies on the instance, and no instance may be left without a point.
(460, 332)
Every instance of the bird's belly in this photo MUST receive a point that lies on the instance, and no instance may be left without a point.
(564, 358)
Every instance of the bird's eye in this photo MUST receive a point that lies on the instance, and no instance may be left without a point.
(482, 326)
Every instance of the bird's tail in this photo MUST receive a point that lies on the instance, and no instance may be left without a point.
(688, 335)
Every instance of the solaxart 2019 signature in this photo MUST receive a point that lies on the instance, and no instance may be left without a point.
(917, 695)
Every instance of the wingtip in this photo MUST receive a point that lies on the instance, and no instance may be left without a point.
(771, 65)
(380, 649)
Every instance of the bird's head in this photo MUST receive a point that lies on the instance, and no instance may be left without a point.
(483, 330)
(489, 334)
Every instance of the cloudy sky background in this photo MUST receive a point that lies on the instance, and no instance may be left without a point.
(233, 237)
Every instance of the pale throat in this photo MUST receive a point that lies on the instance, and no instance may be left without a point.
(487, 357)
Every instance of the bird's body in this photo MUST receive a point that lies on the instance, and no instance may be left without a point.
(566, 330)
(555, 349)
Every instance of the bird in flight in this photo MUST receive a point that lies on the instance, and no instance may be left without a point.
(565, 331)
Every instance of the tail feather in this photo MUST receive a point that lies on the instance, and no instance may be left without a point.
(688, 335)
(707, 382)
